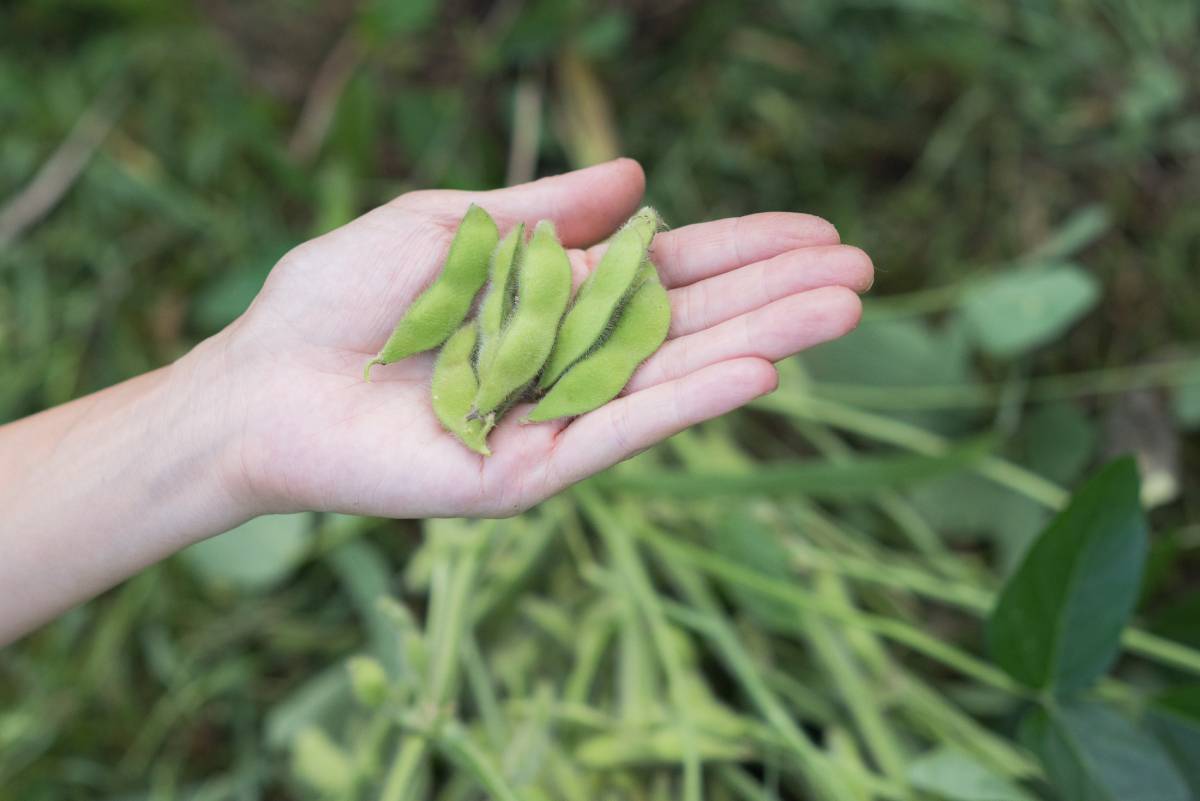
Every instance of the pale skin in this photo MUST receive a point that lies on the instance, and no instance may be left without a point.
(272, 414)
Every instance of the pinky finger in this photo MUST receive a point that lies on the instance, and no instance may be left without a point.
(630, 424)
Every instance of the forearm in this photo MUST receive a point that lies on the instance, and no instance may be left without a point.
(99, 488)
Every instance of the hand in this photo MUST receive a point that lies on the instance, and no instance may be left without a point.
(313, 435)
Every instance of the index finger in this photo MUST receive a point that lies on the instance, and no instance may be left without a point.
(694, 252)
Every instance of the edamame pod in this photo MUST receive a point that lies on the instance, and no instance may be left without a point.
(601, 294)
(543, 290)
(501, 293)
(600, 376)
(441, 308)
(454, 388)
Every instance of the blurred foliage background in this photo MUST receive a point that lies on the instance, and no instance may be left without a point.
(1026, 176)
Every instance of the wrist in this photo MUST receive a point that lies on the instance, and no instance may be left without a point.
(207, 415)
(99, 488)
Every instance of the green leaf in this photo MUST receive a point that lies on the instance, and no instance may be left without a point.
(965, 506)
(1058, 621)
(1016, 311)
(255, 556)
(1175, 718)
(1091, 753)
(745, 540)
(899, 353)
(1058, 441)
(952, 774)
(382, 20)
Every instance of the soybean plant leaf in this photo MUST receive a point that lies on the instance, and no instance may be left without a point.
(1058, 621)
(744, 540)
(965, 506)
(382, 20)
(1016, 311)
(889, 352)
(955, 775)
(1091, 753)
(1058, 441)
(604, 36)
(899, 354)
(1175, 718)
(255, 556)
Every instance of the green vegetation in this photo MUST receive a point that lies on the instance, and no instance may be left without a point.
(826, 596)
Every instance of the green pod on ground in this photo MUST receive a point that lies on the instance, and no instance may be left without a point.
(543, 291)
(600, 376)
(442, 307)
(600, 296)
(501, 293)
(454, 387)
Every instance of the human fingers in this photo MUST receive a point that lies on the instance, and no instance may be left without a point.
(773, 332)
(714, 300)
(695, 252)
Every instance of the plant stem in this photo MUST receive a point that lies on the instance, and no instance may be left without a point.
(896, 630)
(985, 395)
(453, 583)
(912, 438)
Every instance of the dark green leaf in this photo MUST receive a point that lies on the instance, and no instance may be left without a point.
(1091, 753)
(1175, 719)
(1058, 621)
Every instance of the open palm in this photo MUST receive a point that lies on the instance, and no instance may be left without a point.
(744, 292)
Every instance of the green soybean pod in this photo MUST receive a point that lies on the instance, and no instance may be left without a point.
(600, 376)
(501, 293)
(543, 291)
(601, 294)
(454, 387)
(442, 307)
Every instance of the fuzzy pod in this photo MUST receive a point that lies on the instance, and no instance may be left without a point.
(543, 291)
(600, 376)
(441, 308)
(501, 293)
(602, 293)
(454, 386)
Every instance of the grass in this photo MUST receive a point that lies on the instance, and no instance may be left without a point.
(782, 604)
